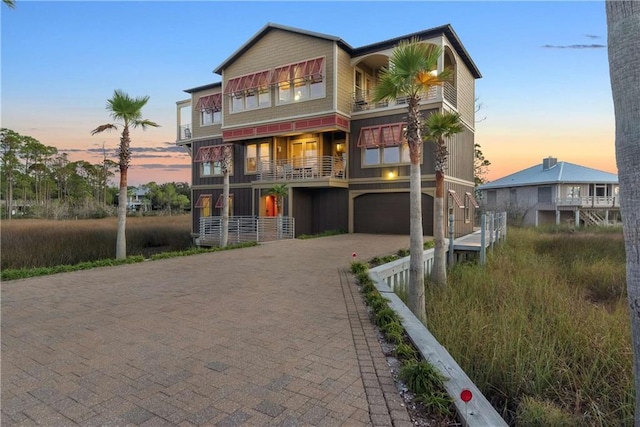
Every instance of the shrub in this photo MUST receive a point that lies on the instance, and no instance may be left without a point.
(541, 413)
(405, 351)
(385, 316)
(421, 377)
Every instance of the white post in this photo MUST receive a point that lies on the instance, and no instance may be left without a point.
(483, 239)
(577, 218)
(557, 217)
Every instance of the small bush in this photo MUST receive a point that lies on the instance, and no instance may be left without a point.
(429, 244)
(421, 377)
(404, 351)
(323, 234)
(403, 253)
(385, 316)
(358, 267)
(437, 402)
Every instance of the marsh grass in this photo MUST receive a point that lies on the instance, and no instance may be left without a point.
(28, 243)
(544, 325)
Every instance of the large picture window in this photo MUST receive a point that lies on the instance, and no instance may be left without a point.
(300, 82)
(258, 157)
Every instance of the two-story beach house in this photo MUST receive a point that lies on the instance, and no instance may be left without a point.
(555, 192)
(296, 108)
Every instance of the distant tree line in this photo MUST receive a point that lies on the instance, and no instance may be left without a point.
(38, 181)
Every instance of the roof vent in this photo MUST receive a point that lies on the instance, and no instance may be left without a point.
(548, 163)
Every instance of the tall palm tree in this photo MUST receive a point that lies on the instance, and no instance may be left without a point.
(226, 160)
(10, 3)
(440, 126)
(623, 28)
(411, 74)
(123, 108)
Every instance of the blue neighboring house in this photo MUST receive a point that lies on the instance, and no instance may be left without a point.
(555, 192)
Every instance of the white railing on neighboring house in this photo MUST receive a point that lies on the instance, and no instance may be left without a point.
(244, 229)
(590, 201)
(305, 168)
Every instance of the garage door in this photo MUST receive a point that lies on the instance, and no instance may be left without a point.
(388, 213)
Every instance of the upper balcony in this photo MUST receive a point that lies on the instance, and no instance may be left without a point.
(321, 168)
(367, 70)
(363, 99)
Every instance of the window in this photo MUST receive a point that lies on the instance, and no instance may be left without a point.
(204, 203)
(544, 194)
(573, 192)
(258, 157)
(220, 203)
(211, 159)
(492, 199)
(384, 145)
(300, 82)
(513, 197)
(210, 108)
(249, 92)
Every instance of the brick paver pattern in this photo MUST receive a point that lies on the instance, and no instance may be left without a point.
(271, 335)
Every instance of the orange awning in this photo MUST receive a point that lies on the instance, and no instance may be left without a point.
(456, 198)
(473, 200)
(382, 135)
(210, 102)
(212, 153)
(248, 82)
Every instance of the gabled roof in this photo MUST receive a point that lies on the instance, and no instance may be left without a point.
(270, 26)
(447, 30)
(560, 173)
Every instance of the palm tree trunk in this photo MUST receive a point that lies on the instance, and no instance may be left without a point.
(416, 302)
(224, 239)
(439, 272)
(623, 28)
(121, 239)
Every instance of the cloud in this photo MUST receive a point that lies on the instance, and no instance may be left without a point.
(574, 46)
(591, 36)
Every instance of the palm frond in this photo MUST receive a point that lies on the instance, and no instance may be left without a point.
(102, 128)
(10, 3)
(442, 125)
(144, 124)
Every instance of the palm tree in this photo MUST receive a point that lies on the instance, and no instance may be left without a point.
(279, 191)
(10, 3)
(411, 73)
(623, 28)
(440, 126)
(226, 160)
(122, 107)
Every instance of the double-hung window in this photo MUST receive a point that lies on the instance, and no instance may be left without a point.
(210, 108)
(384, 145)
(300, 81)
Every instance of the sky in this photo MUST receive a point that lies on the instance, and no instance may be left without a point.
(544, 91)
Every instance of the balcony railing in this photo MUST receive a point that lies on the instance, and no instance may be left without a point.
(184, 132)
(307, 168)
(450, 94)
(590, 201)
(363, 99)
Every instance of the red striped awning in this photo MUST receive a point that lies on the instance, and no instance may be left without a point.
(248, 82)
(382, 135)
(210, 102)
(312, 69)
(204, 201)
(456, 198)
(212, 153)
(472, 199)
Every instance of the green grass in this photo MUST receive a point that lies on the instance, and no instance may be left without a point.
(544, 325)
(323, 234)
(30, 243)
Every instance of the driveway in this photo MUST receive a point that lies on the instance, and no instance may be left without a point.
(270, 335)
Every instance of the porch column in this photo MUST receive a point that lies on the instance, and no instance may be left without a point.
(577, 218)
(536, 218)
(557, 217)
(606, 217)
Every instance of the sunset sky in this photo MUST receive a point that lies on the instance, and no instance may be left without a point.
(545, 89)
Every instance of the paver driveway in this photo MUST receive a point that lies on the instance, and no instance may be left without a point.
(269, 335)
